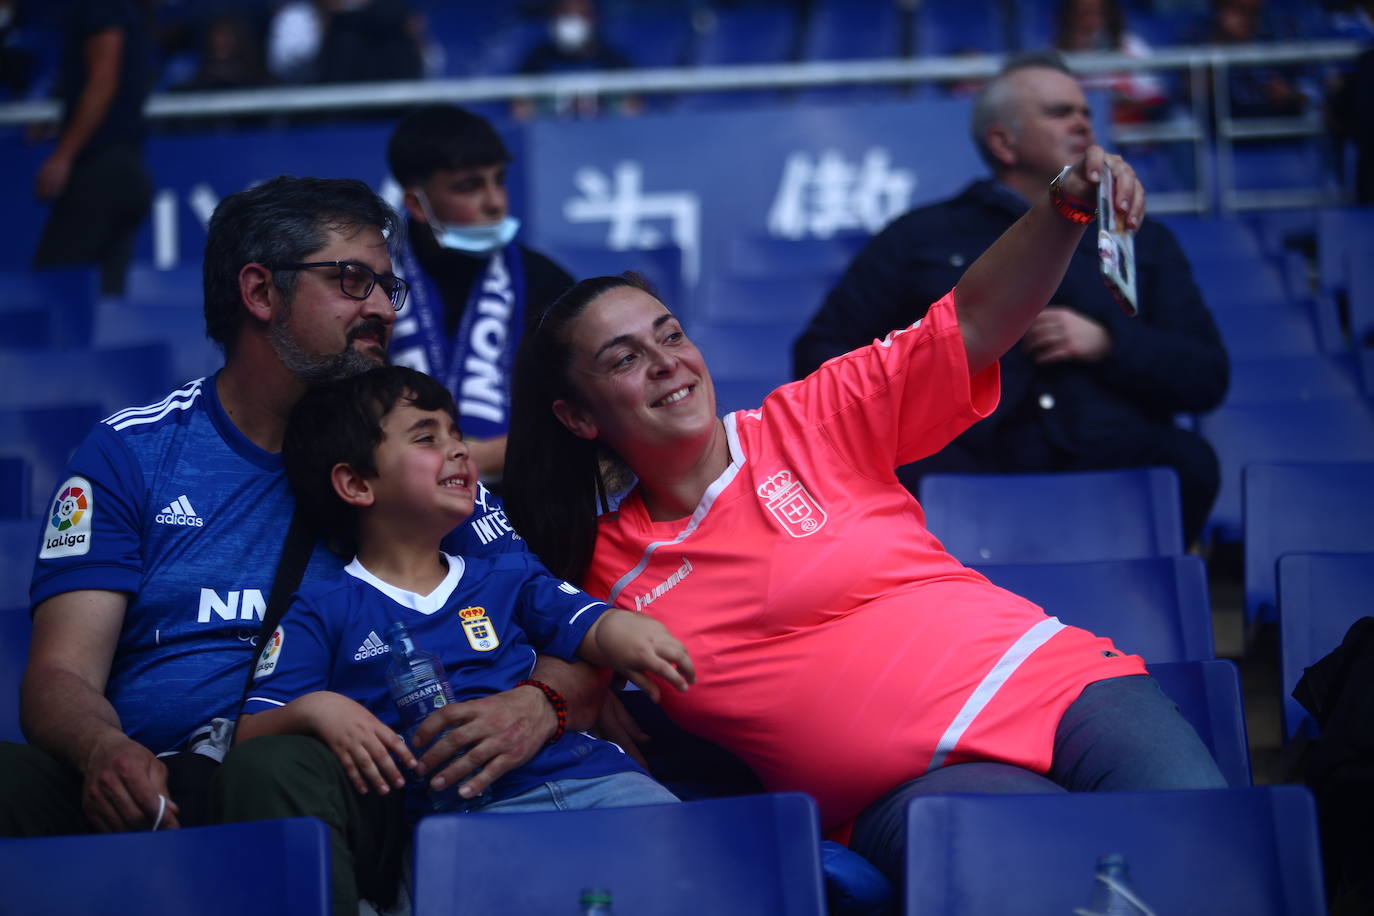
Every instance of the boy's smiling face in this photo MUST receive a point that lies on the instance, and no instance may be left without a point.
(423, 471)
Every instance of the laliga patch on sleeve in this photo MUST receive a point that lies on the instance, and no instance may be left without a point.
(68, 531)
(271, 654)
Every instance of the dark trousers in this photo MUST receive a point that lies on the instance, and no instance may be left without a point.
(295, 776)
(96, 217)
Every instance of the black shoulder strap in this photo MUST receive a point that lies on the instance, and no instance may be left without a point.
(295, 555)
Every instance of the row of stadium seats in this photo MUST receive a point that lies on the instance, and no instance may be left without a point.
(1253, 850)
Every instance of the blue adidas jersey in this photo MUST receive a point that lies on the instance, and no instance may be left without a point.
(484, 622)
(172, 505)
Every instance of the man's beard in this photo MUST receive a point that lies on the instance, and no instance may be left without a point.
(316, 369)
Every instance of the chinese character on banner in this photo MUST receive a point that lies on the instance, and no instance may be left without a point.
(620, 200)
(819, 196)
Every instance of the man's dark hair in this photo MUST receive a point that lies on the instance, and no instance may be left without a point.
(281, 221)
(341, 421)
(441, 137)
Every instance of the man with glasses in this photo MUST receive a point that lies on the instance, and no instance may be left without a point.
(160, 553)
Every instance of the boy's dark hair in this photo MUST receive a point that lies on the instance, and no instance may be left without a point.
(341, 421)
(281, 221)
(439, 137)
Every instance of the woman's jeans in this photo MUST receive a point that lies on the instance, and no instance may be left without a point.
(1121, 734)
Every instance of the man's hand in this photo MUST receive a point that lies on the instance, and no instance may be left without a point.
(498, 733)
(362, 743)
(52, 177)
(615, 724)
(1060, 334)
(123, 787)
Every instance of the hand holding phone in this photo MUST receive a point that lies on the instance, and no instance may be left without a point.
(1115, 248)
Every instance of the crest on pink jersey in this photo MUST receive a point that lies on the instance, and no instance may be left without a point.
(794, 508)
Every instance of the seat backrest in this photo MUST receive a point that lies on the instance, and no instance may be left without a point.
(1301, 508)
(1268, 331)
(749, 854)
(1055, 518)
(1336, 429)
(16, 478)
(1320, 596)
(277, 866)
(1250, 850)
(114, 378)
(1280, 379)
(45, 438)
(19, 546)
(1208, 695)
(1154, 607)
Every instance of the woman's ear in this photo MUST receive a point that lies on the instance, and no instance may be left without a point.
(575, 419)
(352, 487)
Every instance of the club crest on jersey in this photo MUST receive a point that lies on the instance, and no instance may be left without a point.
(791, 504)
(478, 629)
(68, 531)
(271, 654)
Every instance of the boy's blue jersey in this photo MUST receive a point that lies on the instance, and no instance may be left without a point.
(485, 622)
(172, 505)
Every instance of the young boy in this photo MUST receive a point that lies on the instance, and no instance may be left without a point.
(379, 455)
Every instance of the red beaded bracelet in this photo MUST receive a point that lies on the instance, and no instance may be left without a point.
(560, 705)
(1071, 208)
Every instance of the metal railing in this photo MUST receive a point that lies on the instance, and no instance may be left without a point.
(1198, 61)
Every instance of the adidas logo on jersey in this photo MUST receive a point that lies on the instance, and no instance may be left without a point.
(371, 647)
(179, 512)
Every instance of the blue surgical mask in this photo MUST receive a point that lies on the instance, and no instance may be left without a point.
(474, 238)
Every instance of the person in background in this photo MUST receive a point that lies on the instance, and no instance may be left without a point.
(230, 57)
(575, 44)
(1098, 25)
(1086, 388)
(474, 287)
(95, 176)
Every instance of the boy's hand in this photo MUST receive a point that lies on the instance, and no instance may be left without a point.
(636, 645)
(362, 743)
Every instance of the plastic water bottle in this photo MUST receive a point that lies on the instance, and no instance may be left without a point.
(418, 687)
(595, 901)
(1112, 894)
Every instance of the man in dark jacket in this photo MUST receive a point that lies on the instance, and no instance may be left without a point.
(1088, 388)
(473, 287)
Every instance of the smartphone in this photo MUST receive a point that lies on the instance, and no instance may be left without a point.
(1115, 248)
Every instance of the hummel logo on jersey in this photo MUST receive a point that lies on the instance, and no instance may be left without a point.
(371, 647)
(179, 512)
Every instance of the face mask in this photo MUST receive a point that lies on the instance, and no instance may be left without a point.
(475, 238)
(571, 32)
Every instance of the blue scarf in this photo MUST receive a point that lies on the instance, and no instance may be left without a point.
(476, 363)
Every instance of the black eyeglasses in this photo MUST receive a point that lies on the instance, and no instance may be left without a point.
(357, 280)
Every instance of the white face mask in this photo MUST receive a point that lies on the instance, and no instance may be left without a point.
(474, 238)
(571, 31)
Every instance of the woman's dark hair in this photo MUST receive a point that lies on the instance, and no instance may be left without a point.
(341, 421)
(556, 483)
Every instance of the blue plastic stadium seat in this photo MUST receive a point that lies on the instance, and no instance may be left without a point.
(756, 353)
(1055, 518)
(1280, 379)
(1266, 165)
(1329, 430)
(45, 437)
(114, 378)
(1205, 239)
(1301, 508)
(1208, 695)
(1320, 596)
(1340, 231)
(1241, 282)
(751, 32)
(1243, 850)
(55, 306)
(1154, 607)
(1360, 296)
(650, 34)
(15, 629)
(279, 866)
(16, 479)
(949, 27)
(788, 301)
(750, 854)
(159, 306)
(1267, 331)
